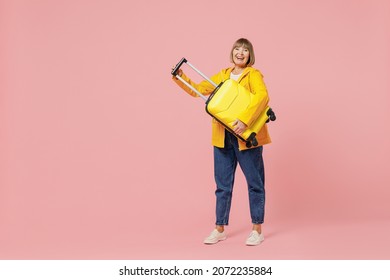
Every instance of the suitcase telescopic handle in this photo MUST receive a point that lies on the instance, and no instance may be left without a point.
(177, 67)
(183, 60)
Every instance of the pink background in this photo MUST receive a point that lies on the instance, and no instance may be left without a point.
(102, 156)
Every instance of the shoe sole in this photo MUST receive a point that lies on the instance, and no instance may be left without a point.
(254, 244)
(211, 243)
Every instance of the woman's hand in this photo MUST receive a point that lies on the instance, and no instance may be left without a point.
(179, 71)
(239, 127)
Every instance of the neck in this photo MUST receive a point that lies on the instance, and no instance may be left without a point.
(238, 69)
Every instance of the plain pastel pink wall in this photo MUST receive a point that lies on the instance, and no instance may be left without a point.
(98, 143)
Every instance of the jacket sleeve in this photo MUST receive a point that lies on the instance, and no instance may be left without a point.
(203, 87)
(259, 99)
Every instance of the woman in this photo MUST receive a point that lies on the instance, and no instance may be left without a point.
(229, 150)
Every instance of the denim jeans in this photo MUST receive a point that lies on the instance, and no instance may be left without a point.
(251, 163)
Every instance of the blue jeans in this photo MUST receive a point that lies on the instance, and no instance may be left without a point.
(251, 163)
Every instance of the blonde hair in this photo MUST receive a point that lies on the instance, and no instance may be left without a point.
(242, 42)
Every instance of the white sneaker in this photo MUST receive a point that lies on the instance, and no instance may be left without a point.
(254, 238)
(214, 237)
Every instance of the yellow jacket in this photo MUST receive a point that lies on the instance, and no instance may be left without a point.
(252, 80)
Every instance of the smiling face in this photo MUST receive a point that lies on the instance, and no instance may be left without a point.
(240, 56)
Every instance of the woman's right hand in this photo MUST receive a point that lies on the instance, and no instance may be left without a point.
(179, 72)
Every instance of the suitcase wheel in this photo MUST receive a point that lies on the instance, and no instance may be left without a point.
(271, 115)
(252, 141)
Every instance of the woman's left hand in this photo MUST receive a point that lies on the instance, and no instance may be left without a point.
(239, 127)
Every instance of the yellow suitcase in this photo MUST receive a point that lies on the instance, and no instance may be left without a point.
(226, 102)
